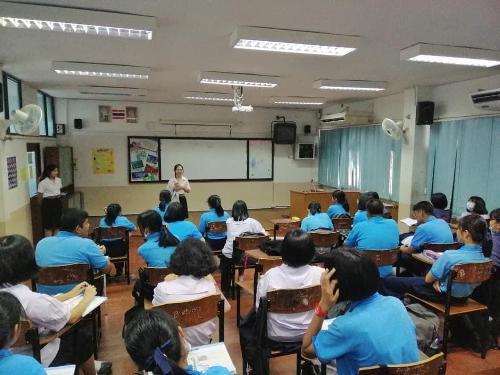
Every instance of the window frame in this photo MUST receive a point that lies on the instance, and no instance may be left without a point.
(45, 114)
(6, 109)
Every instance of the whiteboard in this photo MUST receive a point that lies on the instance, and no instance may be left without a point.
(204, 159)
(260, 159)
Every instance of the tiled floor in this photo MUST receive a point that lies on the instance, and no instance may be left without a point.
(120, 300)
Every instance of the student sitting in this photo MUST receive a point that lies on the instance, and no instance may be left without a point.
(10, 320)
(360, 215)
(159, 247)
(494, 307)
(18, 267)
(193, 264)
(165, 198)
(440, 202)
(157, 345)
(376, 233)
(297, 251)
(340, 207)
(70, 247)
(316, 219)
(238, 223)
(429, 229)
(471, 232)
(178, 225)
(352, 339)
(476, 205)
(216, 241)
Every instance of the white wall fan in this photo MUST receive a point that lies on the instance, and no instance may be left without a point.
(26, 121)
(394, 129)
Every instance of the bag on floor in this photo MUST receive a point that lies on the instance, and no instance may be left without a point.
(426, 324)
(256, 354)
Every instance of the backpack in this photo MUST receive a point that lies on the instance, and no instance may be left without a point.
(272, 247)
(426, 324)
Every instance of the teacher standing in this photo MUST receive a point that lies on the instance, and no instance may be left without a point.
(179, 186)
(49, 195)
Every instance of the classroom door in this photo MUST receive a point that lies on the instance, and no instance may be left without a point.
(34, 171)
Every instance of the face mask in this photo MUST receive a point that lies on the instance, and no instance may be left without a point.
(470, 206)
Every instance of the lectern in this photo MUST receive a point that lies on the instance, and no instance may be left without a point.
(299, 200)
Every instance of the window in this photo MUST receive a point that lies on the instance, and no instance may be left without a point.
(13, 98)
(46, 103)
(49, 102)
(41, 103)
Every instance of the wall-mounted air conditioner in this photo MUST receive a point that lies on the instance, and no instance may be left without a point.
(487, 99)
(346, 118)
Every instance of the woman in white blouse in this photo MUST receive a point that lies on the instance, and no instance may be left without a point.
(179, 186)
(49, 195)
(192, 264)
(17, 266)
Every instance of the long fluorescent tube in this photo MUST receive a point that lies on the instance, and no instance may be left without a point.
(433, 53)
(209, 96)
(352, 85)
(112, 91)
(292, 41)
(237, 79)
(297, 100)
(76, 21)
(100, 70)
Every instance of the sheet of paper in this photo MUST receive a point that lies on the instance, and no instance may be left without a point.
(96, 302)
(407, 241)
(205, 356)
(409, 221)
(62, 370)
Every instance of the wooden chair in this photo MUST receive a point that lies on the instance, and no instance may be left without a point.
(250, 286)
(427, 366)
(384, 257)
(468, 273)
(286, 301)
(440, 247)
(152, 276)
(216, 227)
(387, 215)
(240, 245)
(121, 234)
(324, 238)
(194, 312)
(342, 223)
(281, 229)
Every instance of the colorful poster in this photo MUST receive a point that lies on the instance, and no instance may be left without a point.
(103, 160)
(12, 172)
(144, 164)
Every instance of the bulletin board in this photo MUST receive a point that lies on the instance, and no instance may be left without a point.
(143, 159)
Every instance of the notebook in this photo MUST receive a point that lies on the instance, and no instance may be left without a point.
(62, 370)
(96, 302)
(409, 221)
(205, 356)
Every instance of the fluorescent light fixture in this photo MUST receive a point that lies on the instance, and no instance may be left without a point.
(433, 53)
(237, 79)
(297, 100)
(100, 70)
(76, 21)
(292, 41)
(242, 108)
(112, 91)
(209, 96)
(330, 84)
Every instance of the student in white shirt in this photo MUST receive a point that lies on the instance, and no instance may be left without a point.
(297, 251)
(17, 266)
(238, 223)
(49, 196)
(192, 263)
(179, 186)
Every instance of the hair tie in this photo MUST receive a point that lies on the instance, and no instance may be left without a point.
(160, 358)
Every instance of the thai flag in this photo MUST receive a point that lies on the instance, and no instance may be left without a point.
(118, 114)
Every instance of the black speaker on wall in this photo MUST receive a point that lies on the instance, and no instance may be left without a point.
(425, 113)
(307, 129)
(78, 123)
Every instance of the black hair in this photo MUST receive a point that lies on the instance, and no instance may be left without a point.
(112, 212)
(10, 315)
(439, 201)
(239, 211)
(476, 226)
(175, 212)
(339, 195)
(17, 260)
(495, 214)
(72, 218)
(165, 198)
(375, 207)
(357, 275)
(479, 205)
(365, 197)
(192, 257)
(47, 171)
(314, 208)
(215, 203)
(297, 248)
(178, 165)
(149, 330)
(424, 206)
(151, 220)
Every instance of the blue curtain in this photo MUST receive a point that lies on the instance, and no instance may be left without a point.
(462, 161)
(360, 159)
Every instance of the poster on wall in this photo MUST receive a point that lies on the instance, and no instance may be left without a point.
(103, 161)
(12, 172)
(131, 115)
(143, 158)
(104, 113)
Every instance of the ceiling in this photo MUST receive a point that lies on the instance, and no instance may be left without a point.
(193, 36)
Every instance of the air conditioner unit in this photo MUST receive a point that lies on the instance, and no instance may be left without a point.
(487, 99)
(346, 118)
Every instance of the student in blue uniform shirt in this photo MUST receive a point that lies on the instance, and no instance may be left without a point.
(178, 225)
(352, 339)
(70, 246)
(376, 233)
(156, 251)
(471, 232)
(10, 320)
(216, 241)
(316, 219)
(440, 202)
(360, 214)
(340, 207)
(165, 198)
(157, 345)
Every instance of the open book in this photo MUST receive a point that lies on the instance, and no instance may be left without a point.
(409, 221)
(205, 356)
(96, 302)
